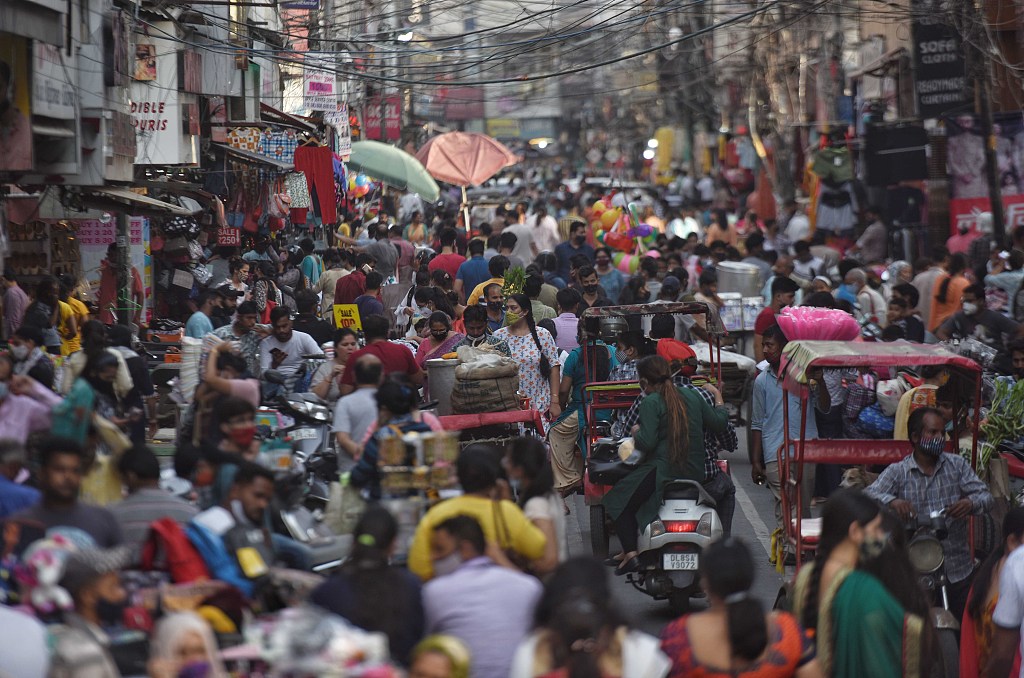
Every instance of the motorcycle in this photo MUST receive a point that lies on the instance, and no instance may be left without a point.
(291, 516)
(307, 431)
(670, 547)
(924, 549)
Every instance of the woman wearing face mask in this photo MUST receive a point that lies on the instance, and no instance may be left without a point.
(529, 470)
(670, 433)
(264, 292)
(94, 343)
(326, 381)
(533, 348)
(238, 270)
(442, 339)
(236, 426)
(372, 593)
(183, 645)
(859, 627)
(611, 278)
(734, 631)
(565, 435)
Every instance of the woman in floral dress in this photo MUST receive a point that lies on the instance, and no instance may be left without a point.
(534, 349)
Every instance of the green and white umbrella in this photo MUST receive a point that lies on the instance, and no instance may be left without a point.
(394, 167)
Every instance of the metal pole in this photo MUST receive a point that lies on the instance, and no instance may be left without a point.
(125, 310)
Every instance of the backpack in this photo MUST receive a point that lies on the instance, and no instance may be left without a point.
(221, 564)
(179, 557)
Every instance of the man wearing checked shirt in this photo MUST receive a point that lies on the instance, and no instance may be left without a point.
(931, 480)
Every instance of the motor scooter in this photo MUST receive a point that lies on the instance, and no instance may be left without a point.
(924, 550)
(669, 549)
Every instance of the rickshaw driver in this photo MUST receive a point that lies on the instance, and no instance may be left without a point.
(930, 480)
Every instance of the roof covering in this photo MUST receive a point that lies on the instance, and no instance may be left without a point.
(801, 355)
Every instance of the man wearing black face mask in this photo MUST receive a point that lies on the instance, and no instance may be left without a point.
(495, 307)
(92, 578)
(478, 333)
(591, 286)
(577, 245)
(930, 480)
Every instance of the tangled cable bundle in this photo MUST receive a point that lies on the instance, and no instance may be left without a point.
(812, 323)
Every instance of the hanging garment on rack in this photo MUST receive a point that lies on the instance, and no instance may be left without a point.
(837, 208)
(833, 165)
(316, 163)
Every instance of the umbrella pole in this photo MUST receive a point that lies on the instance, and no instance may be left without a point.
(465, 212)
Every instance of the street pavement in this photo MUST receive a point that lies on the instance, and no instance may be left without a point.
(753, 523)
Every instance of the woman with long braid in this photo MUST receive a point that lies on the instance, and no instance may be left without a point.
(671, 436)
(534, 349)
(860, 628)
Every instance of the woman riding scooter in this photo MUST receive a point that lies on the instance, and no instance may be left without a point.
(671, 436)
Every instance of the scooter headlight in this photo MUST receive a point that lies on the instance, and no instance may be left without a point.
(704, 525)
(657, 528)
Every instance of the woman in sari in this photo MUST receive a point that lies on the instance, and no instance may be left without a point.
(861, 629)
(978, 629)
(442, 339)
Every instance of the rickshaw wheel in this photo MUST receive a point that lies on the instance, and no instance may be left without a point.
(598, 531)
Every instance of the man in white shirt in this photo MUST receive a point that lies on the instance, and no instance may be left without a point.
(284, 348)
(356, 412)
(805, 264)
(706, 189)
(797, 225)
(525, 249)
(545, 231)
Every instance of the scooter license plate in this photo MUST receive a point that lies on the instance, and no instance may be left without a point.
(679, 561)
(305, 434)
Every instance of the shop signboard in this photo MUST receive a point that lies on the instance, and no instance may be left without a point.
(338, 119)
(965, 211)
(156, 108)
(347, 315)
(503, 128)
(319, 87)
(464, 103)
(229, 236)
(53, 94)
(371, 119)
(301, 4)
(16, 126)
(940, 70)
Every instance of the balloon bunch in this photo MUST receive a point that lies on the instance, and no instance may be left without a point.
(359, 185)
(620, 229)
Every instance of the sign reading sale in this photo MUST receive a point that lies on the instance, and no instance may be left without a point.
(347, 315)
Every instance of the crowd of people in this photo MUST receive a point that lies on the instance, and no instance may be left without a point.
(79, 486)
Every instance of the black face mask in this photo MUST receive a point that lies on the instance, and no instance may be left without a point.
(440, 336)
(111, 614)
(590, 289)
(494, 305)
(580, 239)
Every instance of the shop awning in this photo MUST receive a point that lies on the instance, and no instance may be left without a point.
(255, 157)
(272, 115)
(103, 197)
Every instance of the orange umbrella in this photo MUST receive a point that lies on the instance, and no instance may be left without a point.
(465, 158)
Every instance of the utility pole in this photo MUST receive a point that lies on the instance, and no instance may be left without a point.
(125, 311)
(984, 99)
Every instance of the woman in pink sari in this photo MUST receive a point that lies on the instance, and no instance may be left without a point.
(440, 341)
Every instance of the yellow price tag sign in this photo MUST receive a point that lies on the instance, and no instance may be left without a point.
(347, 315)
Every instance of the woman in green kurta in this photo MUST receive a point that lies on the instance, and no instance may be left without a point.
(859, 627)
(671, 436)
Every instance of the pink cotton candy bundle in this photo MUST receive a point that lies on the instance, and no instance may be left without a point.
(821, 324)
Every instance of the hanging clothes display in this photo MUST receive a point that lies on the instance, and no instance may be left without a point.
(836, 208)
(317, 164)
